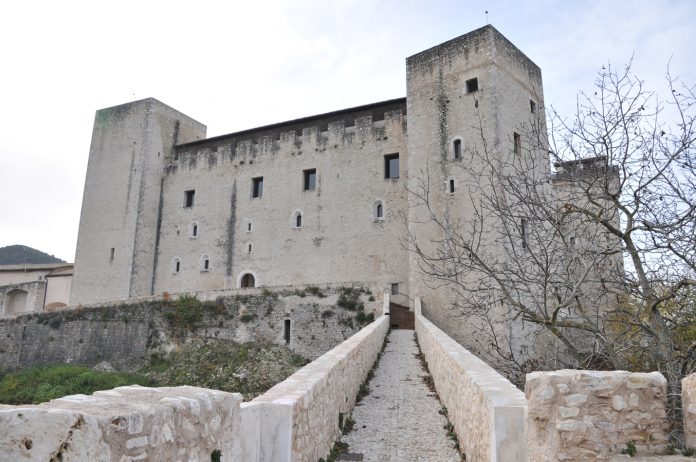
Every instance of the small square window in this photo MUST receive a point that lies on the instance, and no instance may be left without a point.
(391, 166)
(395, 288)
(188, 197)
(532, 106)
(472, 85)
(309, 180)
(257, 187)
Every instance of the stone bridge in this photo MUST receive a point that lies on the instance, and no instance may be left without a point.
(565, 415)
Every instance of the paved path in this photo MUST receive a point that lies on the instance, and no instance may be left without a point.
(399, 420)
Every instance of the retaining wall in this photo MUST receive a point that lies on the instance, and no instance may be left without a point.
(592, 415)
(488, 412)
(125, 424)
(298, 419)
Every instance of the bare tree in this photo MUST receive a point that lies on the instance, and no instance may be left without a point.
(597, 253)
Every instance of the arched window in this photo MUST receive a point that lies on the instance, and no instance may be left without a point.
(247, 281)
(176, 265)
(16, 301)
(297, 219)
(378, 210)
(194, 229)
(205, 263)
(457, 147)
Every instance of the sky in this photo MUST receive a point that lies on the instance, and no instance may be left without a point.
(234, 65)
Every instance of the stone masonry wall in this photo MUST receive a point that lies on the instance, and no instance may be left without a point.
(590, 415)
(488, 412)
(125, 424)
(689, 409)
(35, 290)
(125, 335)
(299, 417)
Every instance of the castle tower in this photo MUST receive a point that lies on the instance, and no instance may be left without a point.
(476, 87)
(117, 240)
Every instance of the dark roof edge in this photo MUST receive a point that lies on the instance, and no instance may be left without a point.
(364, 107)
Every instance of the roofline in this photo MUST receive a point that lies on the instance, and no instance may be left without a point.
(35, 266)
(364, 107)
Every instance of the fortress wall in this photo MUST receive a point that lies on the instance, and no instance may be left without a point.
(592, 415)
(689, 410)
(298, 419)
(339, 239)
(125, 335)
(125, 424)
(488, 412)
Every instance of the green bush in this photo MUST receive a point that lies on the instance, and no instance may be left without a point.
(188, 312)
(349, 299)
(44, 383)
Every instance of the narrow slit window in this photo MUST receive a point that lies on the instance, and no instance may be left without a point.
(248, 227)
(380, 211)
(532, 106)
(286, 331)
(309, 181)
(517, 143)
(472, 85)
(257, 187)
(523, 232)
(206, 264)
(391, 166)
(111, 254)
(450, 185)
(572, 242)
(249, 248)
(176, 265)
(457, 149)
(298, 221)
(194, 230)
(189, 197)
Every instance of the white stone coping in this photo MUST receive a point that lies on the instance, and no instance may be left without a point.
(504, 405)
(298, 418)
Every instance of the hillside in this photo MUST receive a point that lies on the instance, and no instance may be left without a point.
(21, 254)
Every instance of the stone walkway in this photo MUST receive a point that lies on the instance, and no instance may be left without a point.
(399, 420)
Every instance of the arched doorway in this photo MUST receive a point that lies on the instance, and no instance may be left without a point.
(248, 281)
(16, 301)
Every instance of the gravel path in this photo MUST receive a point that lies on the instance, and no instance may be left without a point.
(399, 420)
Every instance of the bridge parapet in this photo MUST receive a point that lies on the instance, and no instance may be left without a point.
(488, 412)
(298, 419)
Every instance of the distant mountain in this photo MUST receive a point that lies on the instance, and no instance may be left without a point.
(21, 255)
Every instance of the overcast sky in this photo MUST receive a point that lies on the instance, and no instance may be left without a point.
(234, 65)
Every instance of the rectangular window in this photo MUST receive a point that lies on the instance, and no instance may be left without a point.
(310, 180)
(451, 185)
(391, 166)
(457, 149)
(517, 141)
(523, 232)
(395, 288)
(286, 331)
(111, 254)
(532, 106)
(188, 197)
(472, 85)
(257, 187)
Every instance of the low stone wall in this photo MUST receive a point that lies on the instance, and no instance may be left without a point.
(125, 424)
(592, 415)
(488, 412)
(298, 419)
(689, 407)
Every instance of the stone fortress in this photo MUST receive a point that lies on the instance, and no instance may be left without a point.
(317, 200)
(324, 200)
